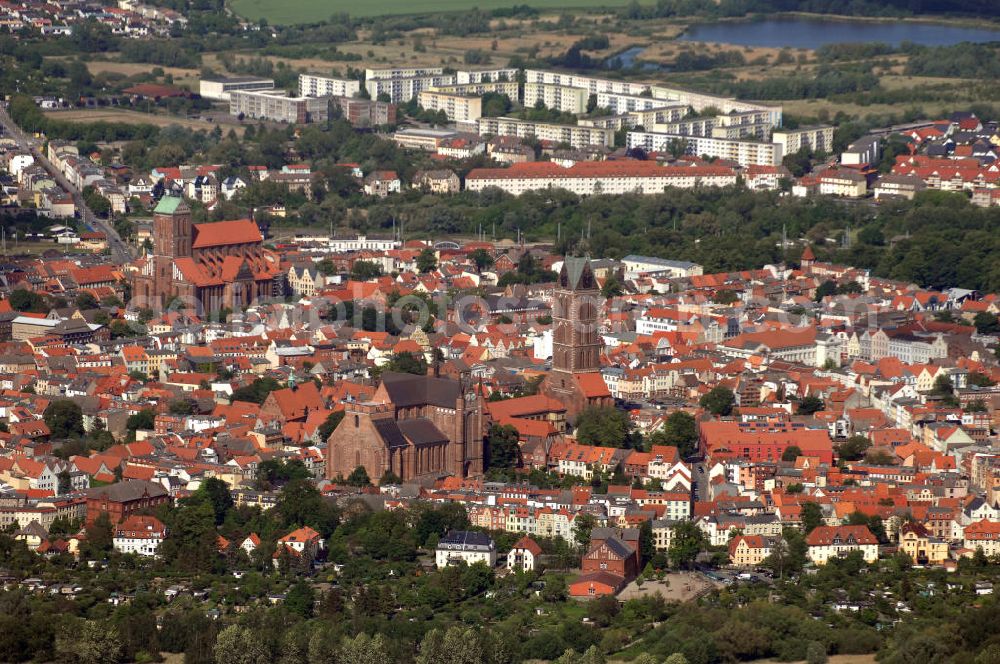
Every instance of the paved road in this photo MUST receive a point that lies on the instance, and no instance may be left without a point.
(120, 251)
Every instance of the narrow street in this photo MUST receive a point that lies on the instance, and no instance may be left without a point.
(120, 251)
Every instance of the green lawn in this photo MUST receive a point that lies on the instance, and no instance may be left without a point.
(309, 11)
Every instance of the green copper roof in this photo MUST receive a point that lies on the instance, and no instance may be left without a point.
(168, 205)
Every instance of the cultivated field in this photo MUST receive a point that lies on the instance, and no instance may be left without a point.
(310, 11)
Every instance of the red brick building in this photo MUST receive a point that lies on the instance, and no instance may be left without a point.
(122, 499)
(414, 427)
(211, 266)
(614, 551)
(575, 379)
(292, 404)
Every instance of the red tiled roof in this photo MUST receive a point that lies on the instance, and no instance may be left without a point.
(590, 169)
(220, 233)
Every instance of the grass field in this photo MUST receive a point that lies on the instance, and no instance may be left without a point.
(134, 117)
(309, 11)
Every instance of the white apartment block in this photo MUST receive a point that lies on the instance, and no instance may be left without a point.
(275, 105)
(621, 104)
(673, 96)
(402, 90)
(576, 136)
(596, 178)
(509, 88)
(486, 75)
(402, 72)
(311, 85)
(557, 97)
(458, 107)
(817, 139)
(744, 152)
(591, 84)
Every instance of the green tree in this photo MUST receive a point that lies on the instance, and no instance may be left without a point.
(144, 420)
(481, 258)
(65, 483)
(853, 448)
(986, 323)
(301, 504)
(718, 401)
(612, 287)
(406, 362)
(364, 649)
(87, 301)
(100, 536)
(239, 645)
(331, 422)
(828, 287)
(90, 642)
(359, 477)
(604, 425)
(182, 406)
(216, 493)
(191, 541)
(791, 453)
(426, 261)
(257, 391)
(365, 270)
(680, 430)
(504, 451)
(810, 404)
(299, 599)
(685, 544)
(64, 419)
(25, 300)
(583, 524)
(812, 516)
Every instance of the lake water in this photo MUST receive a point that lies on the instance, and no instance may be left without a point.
(811, 33)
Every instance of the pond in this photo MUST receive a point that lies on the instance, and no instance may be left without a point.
(814, 32)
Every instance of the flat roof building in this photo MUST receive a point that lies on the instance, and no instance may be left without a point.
(277, 106)
(220, 87)
(311, 85)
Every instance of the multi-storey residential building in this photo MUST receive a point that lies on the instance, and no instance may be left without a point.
(278, 107)
(465, 546)
(574, 135)
(815, 138)
(595, 178)
(983, 535)
(311, 85)
(401, 72)
(365, 112)
(457, 106)
(744, 152)
(749, 550)
(843, 182)
(828, 542)
(400, 90)
(556, 97)
(486, 75)
(141, 535)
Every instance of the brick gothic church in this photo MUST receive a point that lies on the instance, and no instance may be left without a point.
(416, 427)
(576, 378)
(218, 265)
